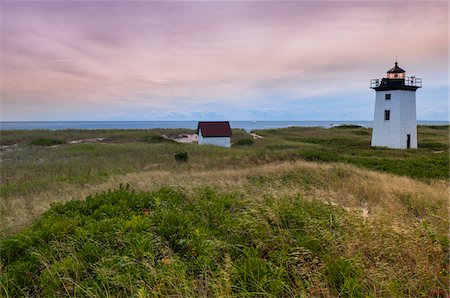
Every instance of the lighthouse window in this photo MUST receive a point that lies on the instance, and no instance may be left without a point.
(387, 96)
(387, 114)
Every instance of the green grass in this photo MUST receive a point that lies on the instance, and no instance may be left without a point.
(34, 169)
(27, 170)
(125, 243)
(244, 142)
(251, 220)
(46, 142)
(346, 126)
(151, 138)
(351, 144)
(181, 156)
(9, 137)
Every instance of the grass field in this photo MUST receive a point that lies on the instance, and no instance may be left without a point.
(301, 211)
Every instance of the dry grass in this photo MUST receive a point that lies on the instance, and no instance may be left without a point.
(400, 201)
(399, 232)
(395, 228)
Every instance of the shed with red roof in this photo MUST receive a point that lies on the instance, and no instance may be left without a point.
(214, 133)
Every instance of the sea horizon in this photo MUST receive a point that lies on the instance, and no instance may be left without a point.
(247, 125)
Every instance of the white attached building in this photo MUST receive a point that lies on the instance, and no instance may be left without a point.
(214, 133)
(394, 123)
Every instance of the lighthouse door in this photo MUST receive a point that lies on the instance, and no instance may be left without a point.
(408, 141)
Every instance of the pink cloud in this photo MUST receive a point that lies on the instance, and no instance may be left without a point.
(162, 54)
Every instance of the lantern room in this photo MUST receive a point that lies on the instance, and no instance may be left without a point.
(396, 79)
(396, 72)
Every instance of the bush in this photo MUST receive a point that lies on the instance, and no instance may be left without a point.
(245, 142)
(433, 145)
(46, 142)
(347, 126)
(181, 156)
(361, 132)
(155, 139)
(323, 156)
(438, 126)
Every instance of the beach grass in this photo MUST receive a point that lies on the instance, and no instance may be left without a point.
(30, 171)
(298, 212)
(211, 243)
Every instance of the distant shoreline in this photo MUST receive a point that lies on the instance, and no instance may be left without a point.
(246, 125)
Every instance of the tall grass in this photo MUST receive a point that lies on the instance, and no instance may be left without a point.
(124, 243)
(301, 212)
(33, 176)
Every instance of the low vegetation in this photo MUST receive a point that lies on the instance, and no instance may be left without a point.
(46, 142)
(181, 156)
(351, 145)
(150, 138)
(164, 243)
(20, 137)
(299, 212)
(349, 126)
(244, 142)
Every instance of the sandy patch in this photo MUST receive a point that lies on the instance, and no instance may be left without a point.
(186, 138)
(95, 140)
(256, 136)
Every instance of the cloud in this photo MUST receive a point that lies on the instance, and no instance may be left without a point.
(261, 57)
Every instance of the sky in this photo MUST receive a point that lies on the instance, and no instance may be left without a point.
(215, 60)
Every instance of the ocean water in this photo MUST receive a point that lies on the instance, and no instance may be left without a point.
(247, 125)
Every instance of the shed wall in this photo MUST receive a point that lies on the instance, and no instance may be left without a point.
(217, 141)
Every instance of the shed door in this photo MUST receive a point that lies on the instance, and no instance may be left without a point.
(408, 141)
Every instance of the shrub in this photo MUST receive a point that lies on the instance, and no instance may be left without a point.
(438, 126)
(343, 276)
(47, 142)
(348, 126)
(245, 142)
(155, 139)
(433, 145)
(181, 156)
(361, 132)
(323, 155)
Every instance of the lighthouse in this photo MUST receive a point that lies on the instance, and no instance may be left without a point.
(394, 123)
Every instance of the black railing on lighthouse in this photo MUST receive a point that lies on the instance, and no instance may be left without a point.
(408, 81)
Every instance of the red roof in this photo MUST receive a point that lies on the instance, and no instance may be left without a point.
(214, 128)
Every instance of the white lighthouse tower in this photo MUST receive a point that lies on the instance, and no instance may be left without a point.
(394, 123)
